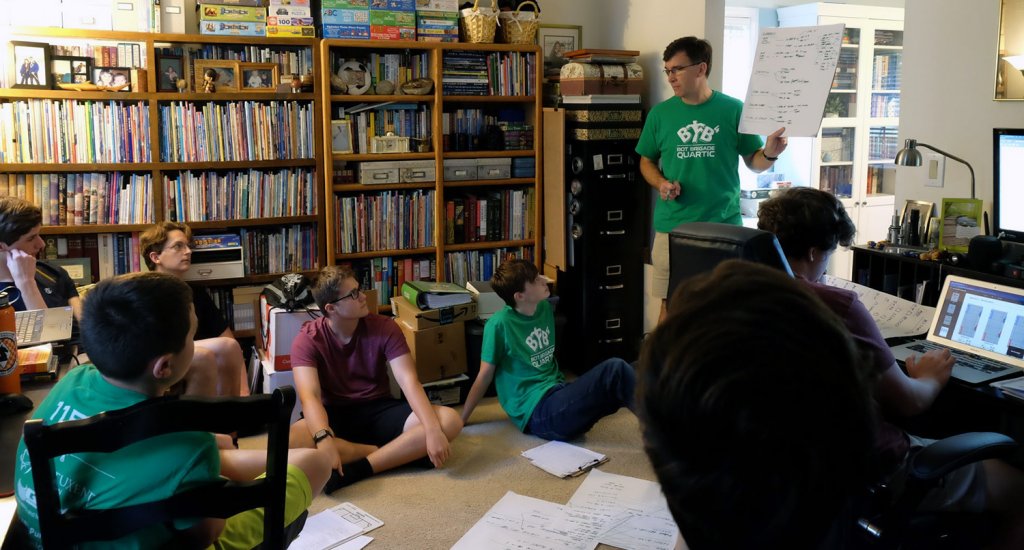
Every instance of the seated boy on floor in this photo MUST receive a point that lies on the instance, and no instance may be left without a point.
(518, 352)
(340, 362)
(138, 329)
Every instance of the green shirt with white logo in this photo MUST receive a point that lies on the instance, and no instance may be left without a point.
(699, 146)
(522, 349)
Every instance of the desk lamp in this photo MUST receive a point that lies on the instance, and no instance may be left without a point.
(910, 156)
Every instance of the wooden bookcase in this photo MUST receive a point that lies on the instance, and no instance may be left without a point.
(432, 140)
(293, 222)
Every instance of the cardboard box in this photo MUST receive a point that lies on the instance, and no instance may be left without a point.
(352, 32)
(487, 300)
(344, 16)
(439, 5)
(130, 15)
(178, 16)
(245, 301)
(284, 30)
(215, 263)
(233, 28)
(290, 11)
(210, 12)
(391, 32)
(420, 319)
(87, 14)
(278, 330)
(273, 379)
(440, 352)
(44, 13)
(449, 391)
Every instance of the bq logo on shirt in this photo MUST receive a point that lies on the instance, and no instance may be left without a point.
(696, 138)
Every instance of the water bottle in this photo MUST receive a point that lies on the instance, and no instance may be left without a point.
(10, 374)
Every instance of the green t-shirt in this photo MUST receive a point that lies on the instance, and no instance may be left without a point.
(149, 470)
(699, 146)
(522, 348)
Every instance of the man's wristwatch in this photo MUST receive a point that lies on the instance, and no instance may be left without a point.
(321, 435)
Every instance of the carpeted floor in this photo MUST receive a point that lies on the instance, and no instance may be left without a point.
(432, 509)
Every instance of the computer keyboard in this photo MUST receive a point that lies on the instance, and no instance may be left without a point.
(29, 324)
(962, 359)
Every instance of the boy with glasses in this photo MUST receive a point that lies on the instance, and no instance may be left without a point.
(695, 134)
(340, 362)
(218, 367)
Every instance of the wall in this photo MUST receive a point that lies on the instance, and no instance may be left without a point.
(949, 65)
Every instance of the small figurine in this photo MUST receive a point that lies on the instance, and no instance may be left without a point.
(209, 78)
(182, 85)
(296, 84)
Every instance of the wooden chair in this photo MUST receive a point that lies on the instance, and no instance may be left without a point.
(109, 431)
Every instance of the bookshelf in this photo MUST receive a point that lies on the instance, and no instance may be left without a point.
(216, 161)
(852, 156)
(484, 109)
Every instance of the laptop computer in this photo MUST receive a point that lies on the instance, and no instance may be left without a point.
(982, 324)
(39, 326)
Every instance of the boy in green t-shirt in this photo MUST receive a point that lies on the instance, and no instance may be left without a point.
(518, 352)
(139, 330)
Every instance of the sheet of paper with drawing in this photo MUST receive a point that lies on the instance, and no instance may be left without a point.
(633, 511)
(516, 522)
(789, 83)
(894, 316)
(338, 527)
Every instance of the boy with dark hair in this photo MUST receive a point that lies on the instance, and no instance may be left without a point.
(518, 352)
(218, 364)
(756, 440)
(29, 283)
(340, 362)
(139, 330)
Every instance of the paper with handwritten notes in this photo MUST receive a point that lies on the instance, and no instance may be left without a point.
(894, 316)
(791, 78)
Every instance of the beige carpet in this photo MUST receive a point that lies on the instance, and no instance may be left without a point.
(432, 509)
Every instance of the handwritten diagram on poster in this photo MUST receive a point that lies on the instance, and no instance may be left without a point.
(791, 78)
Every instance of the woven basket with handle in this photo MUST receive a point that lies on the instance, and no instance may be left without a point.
(520, 27)
(478, 25)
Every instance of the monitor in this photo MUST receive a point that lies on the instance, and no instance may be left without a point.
(1008, 183)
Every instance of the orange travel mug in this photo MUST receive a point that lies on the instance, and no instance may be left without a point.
(10, 374)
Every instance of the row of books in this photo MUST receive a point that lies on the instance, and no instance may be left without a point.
(464, 73)
(886, 71)
(109, 253)
(279, 249)
(493, 216)
(71, 131)
(209, 196)
(394, 67)
(386, 274)
(496, 73)
(403, 119)
(479, 265)
(236, 130)
(123, 54)
(289, 60)
(392, 220)
(74, 199)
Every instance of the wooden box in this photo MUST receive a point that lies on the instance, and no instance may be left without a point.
(595, 79)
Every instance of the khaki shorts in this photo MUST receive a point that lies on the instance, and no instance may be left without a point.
(659, 260)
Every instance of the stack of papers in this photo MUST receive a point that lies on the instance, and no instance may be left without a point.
(342, 527)
(564, 460)
(1013, 387)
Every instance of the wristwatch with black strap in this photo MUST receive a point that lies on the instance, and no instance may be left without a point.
(321, 435)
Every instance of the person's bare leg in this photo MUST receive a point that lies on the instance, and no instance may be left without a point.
(224, 357)
(1005, 486)
(412, 444)
(299, 438)
(245, 465)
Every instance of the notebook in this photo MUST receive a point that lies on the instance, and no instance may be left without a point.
(39, 326)
(982, 324)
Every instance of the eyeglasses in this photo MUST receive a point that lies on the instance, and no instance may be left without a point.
(676, 70)
(178, 247)
(355, 294)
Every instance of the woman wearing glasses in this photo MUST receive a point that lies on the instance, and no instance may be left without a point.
(695, 134)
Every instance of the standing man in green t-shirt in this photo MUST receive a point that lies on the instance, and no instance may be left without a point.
(695, 134)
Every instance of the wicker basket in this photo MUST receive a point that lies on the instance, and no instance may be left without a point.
(478, 25)
(520, 27)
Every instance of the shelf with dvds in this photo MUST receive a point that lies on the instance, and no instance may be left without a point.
(241, 158)
(399, 163)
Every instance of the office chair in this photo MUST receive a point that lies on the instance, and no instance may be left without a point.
(109, 431)
(698, 247)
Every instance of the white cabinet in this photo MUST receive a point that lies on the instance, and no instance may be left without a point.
(852, 155)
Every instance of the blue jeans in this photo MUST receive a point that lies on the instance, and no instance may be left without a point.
(569, 410)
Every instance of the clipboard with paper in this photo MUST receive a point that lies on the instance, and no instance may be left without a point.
(563, 459)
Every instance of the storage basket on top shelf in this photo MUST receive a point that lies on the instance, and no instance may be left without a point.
(520, 27)
(478, 25)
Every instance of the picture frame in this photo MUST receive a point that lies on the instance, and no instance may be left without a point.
(30, 65)
(341, 137)
(68, 69)
(555, 41)
(226, 70)
(79, 269)
(924, 215)
(258, 76)
(960, 220)
(169, 69)
(112, 77)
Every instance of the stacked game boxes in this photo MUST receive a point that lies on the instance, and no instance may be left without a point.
(349, 19)
(233, 18)
(437, 21)
(393, 19)
(290, 18)
(369, 19)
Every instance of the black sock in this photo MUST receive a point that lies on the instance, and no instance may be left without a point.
(354, 471)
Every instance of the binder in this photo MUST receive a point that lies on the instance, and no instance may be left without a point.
(178, 17)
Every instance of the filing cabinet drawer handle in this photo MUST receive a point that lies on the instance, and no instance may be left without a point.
(615, 158)
(418, 174)
(611, 341)
(613, 270)
(613, 323)
(611, 287)
(616, 176)
(614, 215)
(381, 176)
(619, 232)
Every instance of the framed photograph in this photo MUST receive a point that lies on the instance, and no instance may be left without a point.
(112, 76)
(79, 269)
(30, 65)
(169, 70)
(921, 213)
(554, 41)
(223, 72)
(341, 136)
(960, 221)
(258, 76)
(70, 69)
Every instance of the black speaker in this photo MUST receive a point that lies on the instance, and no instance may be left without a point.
(984, 253)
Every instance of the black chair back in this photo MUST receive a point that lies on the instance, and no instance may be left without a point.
(110, 431)
(698, 247)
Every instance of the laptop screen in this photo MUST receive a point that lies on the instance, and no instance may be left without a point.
(983, 318)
